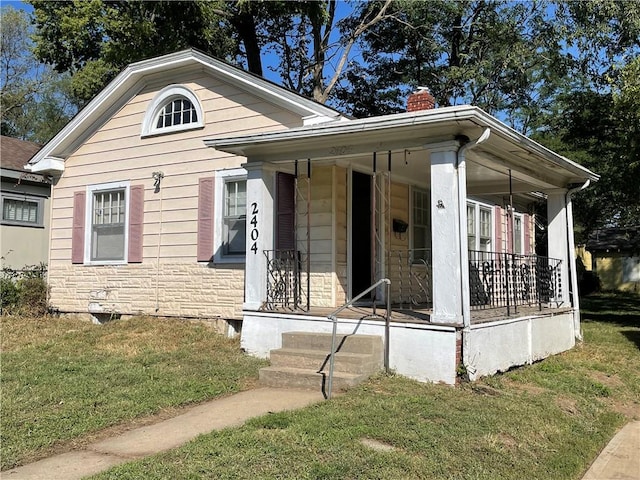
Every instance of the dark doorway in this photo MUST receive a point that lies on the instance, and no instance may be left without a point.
(360, 233)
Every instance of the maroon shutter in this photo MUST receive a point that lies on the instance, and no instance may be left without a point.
(205, 219)
(285, 211)
(136, 223)
(526, 225)
(77, 230)
(498, 229)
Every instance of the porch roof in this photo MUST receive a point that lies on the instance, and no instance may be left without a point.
(505, 149)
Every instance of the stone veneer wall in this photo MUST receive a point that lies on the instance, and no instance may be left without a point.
(183, 290)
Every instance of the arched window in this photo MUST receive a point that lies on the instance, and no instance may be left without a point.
(175, 108)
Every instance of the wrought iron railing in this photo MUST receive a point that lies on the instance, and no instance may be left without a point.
(512, 280)
(287, 280)
(410, 272)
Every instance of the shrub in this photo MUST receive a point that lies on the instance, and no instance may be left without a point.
(24, 291)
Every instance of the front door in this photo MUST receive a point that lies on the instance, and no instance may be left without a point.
(361, 277)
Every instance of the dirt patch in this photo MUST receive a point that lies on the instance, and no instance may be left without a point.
(525, 387)
(377, 445)
(606, 379)
(567, 405)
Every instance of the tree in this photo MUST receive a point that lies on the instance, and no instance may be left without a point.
(94, 40)
(34, 101)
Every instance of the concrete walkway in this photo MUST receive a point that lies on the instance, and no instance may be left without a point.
(620, 459)
(134, 444)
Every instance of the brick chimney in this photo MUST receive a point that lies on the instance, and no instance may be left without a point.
(421, 99)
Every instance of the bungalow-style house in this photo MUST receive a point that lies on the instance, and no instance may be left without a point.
(25, 196)
(190, 188)
(615, 257)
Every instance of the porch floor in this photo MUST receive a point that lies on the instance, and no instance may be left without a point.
(423, 314)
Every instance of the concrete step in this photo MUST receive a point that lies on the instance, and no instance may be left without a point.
(360, 363)
(307, 379)
(371, 344)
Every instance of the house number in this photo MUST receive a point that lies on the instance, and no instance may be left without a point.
(254, 234)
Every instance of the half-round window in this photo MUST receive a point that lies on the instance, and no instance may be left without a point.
(175, 108)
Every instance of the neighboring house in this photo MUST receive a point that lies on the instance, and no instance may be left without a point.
(25, 197)
(615, 257)
(190, 188)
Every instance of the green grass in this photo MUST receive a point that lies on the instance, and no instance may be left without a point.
(63, 380)
(544, 421)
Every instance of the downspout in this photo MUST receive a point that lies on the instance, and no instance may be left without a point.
(461, 172)
(572, 258)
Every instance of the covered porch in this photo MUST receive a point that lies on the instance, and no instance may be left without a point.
(444, 203)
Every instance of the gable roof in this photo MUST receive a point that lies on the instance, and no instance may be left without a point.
(132, 79)
(15, 153)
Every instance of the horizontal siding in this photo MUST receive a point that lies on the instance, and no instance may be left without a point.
(116, 152)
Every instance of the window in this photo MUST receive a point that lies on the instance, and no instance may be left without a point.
(23, 210)
(108, 223)
(479, 227)
(517, 233)
(421, 225)
(631, 269)
(235, 213)
(177, 112)
(230, 213)
(175, 108)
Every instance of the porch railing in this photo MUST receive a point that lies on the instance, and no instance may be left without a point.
(287, 280)
(512, 280)
(410, 272)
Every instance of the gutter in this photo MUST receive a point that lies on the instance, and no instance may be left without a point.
(571, 246)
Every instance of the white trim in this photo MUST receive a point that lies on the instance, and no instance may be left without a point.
(131, 80)
(48, 165)
(223, 176)
(162, 98)
(91, 189)
(492, 234)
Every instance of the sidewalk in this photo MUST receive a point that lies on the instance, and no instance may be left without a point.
(214, 415)
(620, 459)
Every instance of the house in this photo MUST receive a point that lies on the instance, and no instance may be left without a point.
(615, 257)
(25, 201)
(190, 188)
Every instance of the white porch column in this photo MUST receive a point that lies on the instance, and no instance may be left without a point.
(446, 244)
(260, 233)
(558, 236)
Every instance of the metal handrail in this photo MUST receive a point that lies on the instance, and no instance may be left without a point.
(333, 316)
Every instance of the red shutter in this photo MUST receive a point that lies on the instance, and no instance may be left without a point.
(499, 216)
(205, 219)
(136, 223)
(285, 212)
(77, 230)
(527, 234)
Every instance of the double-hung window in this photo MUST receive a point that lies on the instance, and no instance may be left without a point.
(479, 226)
(421, 224)
(517, 233)
(235, 214)
(107, 222)
(231, 215)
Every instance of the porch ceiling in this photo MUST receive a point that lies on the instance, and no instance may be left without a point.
(407, 136)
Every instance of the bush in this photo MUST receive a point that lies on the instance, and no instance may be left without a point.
(24, 291)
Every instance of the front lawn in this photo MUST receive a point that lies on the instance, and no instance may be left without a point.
(544, 421)
(63, 380)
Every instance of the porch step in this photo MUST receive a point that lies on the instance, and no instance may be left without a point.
(317, 360)
(367, 344)
(307, 379)
(303, 361)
